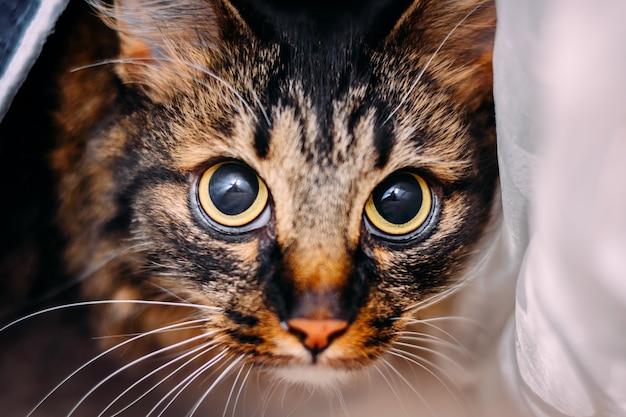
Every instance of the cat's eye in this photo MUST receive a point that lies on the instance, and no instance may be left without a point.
(400, 205)
(232, 195)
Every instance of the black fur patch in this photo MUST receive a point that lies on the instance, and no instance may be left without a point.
(384, 140)
(247, 339)
(242, 319)
(262, 141)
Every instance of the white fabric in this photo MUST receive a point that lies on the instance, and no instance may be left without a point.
(560, 88)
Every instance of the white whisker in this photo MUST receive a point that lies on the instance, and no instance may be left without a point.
(305, 397)
(202, 348)
(469, 320)
(430, 60)
(255, 95)
(73, 282)
(125, 335)
(232, 390)
(283, 396)
(130, 365)
(182, 385)
(392, 388)
(243, 384)
(100, 302)
(433, 352)
(434, 340)
(453, 342)
(429, 322)
(169, 292)
(408, 384)
(342, 401)
(94, 359)
(220, 378)
(437, 297)
(486, 254)
(146, 63)
(270, 393)
(413, 358)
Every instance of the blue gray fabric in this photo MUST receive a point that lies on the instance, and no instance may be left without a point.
(24, 27)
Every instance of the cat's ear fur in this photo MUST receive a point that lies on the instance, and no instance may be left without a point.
(164, 43)
(454, 38)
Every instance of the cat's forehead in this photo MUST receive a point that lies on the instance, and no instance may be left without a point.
(333, 112)
(282, 94)
(350, 124)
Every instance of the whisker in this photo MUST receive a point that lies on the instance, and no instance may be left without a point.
(270, 393)
(283, 396)
(305, 397)
(94, 359)
(257, 100)
(243, 383)
(486, 253)
(145, 62)
(437, 297)
(391, 387)
(232, 390)
(182, 385)
(454, 341)
(69, 284)
(168, 291)
(409, 385)
(130, 365)
(469, 320)
(203, 348)
(433, 352)
(125, 335)
(430, 60)
(431, 339)
(413, 358)
(219, 379)
(423, 359)
(100, 302)
(342, 402)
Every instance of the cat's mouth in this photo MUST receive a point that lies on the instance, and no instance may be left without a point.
(325, 362)
(314, 375)
(318, 351)
(329, 367)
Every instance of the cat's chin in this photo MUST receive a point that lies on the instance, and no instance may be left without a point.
(314, 375)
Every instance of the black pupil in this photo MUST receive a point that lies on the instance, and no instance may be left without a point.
(398, 199)
(233, 188)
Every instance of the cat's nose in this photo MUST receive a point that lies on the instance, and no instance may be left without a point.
(317, 334)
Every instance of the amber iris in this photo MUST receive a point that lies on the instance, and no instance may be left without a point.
(232, 194)
(400, 204)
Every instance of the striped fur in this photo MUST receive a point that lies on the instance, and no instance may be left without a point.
(322, 116)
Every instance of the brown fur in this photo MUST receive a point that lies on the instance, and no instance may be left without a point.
(194, 78)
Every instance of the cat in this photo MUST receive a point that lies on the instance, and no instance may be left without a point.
(250, 190)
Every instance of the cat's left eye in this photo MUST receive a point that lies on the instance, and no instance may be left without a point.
(232, 195)
(399, 206)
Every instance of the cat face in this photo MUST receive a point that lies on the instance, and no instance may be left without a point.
(297, 195)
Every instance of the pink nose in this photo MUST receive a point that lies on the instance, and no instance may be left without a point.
(317, 334)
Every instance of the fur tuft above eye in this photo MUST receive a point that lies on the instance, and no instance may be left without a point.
(233, 197)
(399, 206)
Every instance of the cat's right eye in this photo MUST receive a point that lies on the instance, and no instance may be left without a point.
(232, 196)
